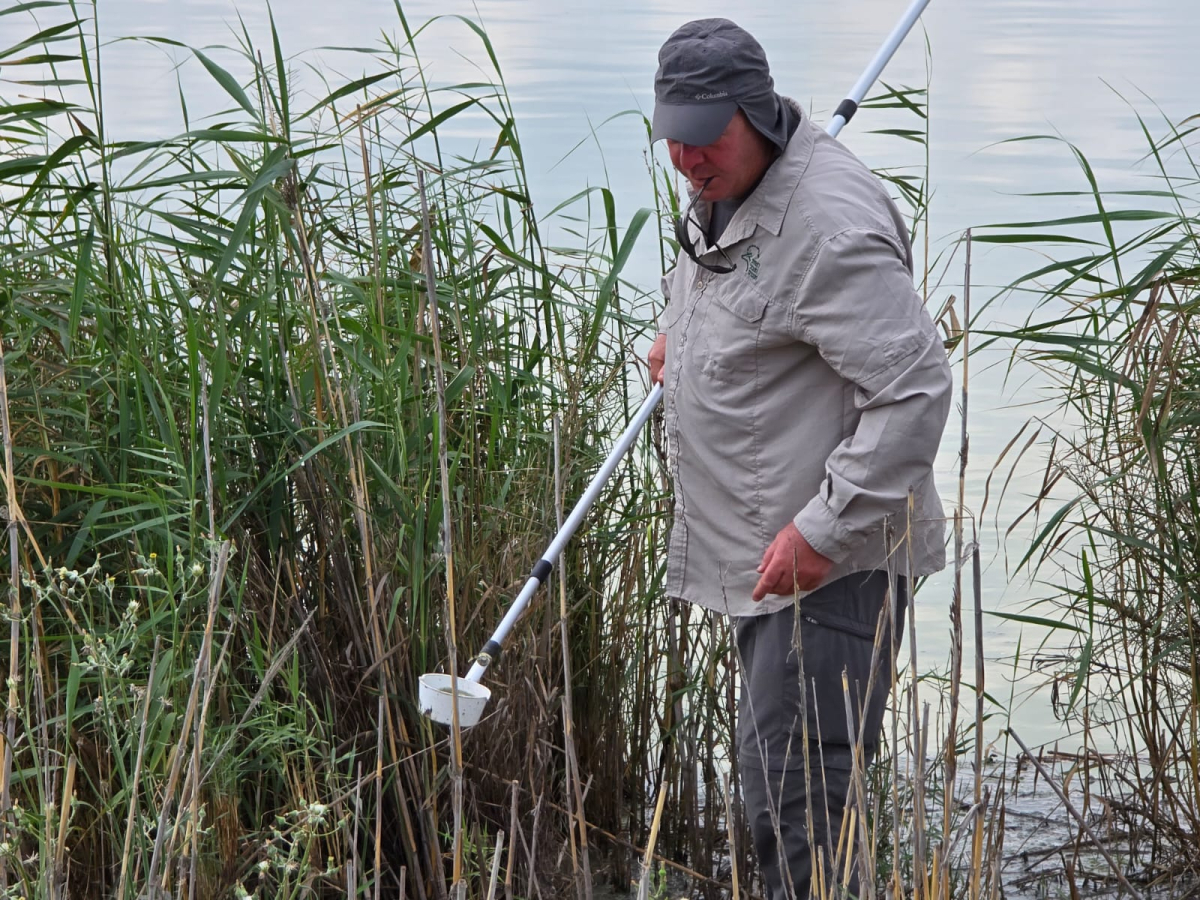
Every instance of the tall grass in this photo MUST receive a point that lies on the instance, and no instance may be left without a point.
(289, 402)
(1115, 329)
(222, 430)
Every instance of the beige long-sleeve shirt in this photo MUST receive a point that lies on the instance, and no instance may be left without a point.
(809, 385)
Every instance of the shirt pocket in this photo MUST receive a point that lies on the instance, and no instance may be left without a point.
(729, 336)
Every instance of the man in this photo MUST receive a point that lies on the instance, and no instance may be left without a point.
(806, 391)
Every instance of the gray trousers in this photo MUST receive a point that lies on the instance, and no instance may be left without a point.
(834, 629)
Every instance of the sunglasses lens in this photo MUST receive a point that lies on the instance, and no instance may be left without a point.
(688, 246)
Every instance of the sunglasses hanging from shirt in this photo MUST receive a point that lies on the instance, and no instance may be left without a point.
(688, 246)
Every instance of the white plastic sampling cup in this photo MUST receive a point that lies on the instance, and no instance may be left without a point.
(437, 700)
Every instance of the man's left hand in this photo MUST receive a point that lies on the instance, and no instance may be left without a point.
(790, 564)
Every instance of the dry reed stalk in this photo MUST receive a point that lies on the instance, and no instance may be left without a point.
(921, 850)
(974, 886)
(355, 866)
(50, 757)
(379, 796)
(51, 777)
(491, 893)
(14, 620)
(135, 782)
(856, 801)
(885, 626)
(194, 813)
(456, 774)
(956, 604)
(977, 844)
(996, 855)
(648, 858)
(202, 659)
(64, 819)
(194, 779)
(206, 438)
(919, 731)
(849, 821)
(319, 322)
(895, 887)
(513, 829)
(369, 190)
(730, 831)
(572, 837)
(806, 740)
(357, 473)
(578, 830)
(532, 848)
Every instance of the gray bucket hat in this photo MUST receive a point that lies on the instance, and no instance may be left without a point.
(707, 70)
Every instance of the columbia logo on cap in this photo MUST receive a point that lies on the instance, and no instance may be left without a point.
(715, 95)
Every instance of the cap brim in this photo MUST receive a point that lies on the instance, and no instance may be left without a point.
(697, 124)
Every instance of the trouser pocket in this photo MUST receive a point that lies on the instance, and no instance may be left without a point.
(792, 673)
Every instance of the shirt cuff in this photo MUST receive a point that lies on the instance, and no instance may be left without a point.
(819, 526)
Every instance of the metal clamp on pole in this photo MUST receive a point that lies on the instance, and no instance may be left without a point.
(488, 655)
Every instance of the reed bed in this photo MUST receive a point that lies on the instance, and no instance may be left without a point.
(1115, 329)
(290, 402)
(226, 408)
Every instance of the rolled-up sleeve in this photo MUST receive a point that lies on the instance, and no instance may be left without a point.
(856, 304)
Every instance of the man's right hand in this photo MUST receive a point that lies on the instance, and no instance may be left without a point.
(657, 357)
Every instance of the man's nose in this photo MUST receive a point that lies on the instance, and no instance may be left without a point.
(690, 156)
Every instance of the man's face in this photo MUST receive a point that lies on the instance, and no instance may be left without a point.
(731, 164)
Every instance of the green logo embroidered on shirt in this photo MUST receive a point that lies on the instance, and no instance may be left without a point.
(751, 258)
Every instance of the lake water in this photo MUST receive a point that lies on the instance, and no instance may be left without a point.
(996, 70)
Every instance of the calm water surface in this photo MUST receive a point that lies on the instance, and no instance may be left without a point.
(996, 69)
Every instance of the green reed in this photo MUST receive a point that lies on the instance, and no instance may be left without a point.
(1115, 330)
(231, 448)
(227, 549)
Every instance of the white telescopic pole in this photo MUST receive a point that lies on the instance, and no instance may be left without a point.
(847, 107)
(491, 650)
